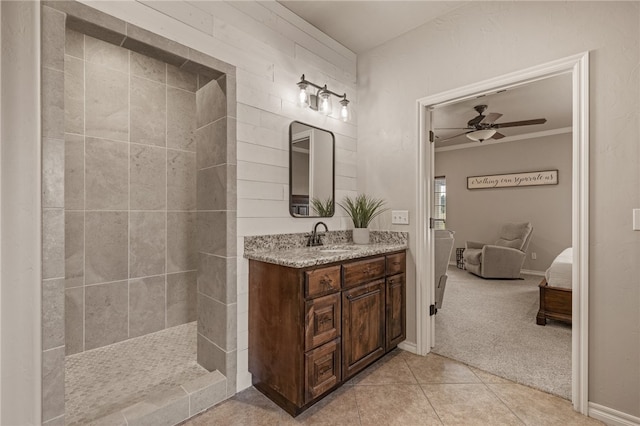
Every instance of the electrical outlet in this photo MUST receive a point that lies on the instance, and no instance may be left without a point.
(534, 256)
(400, 217)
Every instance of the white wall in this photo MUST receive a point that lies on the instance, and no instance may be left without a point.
(505, 37)
(478, 215)
(271, 48)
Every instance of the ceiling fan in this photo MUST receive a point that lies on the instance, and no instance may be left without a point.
(483, 127)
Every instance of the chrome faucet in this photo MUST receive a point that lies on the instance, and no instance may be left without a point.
(314, 238)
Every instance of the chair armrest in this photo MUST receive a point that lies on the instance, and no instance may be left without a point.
(509, 253)
(474, 245)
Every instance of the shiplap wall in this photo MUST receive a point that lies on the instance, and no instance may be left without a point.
(271, 48)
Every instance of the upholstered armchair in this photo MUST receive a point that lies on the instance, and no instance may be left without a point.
(502, 259)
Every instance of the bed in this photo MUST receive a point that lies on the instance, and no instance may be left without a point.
(555, 290)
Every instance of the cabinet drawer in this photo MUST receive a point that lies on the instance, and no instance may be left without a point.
(322, 369)
(322, 320)
(396, 263)
(361, 272)
(322, 281)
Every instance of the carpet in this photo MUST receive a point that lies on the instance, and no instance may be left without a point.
(491, 325)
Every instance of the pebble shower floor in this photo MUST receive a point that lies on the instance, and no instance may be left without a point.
(105, 380)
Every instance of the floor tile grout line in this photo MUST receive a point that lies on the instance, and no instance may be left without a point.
(505, 402)
(422, 390)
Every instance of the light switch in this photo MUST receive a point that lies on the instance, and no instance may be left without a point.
(636, 219)
(400, 217)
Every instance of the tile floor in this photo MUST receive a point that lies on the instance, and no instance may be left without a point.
(108, 379)
(406, 389)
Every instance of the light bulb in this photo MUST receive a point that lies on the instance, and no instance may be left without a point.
(324, 100)
(303, 96)
(344, 110)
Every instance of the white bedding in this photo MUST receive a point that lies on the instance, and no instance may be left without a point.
(559, 273)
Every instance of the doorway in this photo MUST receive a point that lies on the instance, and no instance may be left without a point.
(577, 66)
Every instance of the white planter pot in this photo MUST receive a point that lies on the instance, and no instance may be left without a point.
(361, 235)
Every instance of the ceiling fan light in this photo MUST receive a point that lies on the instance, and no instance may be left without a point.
(481, 135)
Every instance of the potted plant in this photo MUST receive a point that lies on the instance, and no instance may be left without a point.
(362, 210)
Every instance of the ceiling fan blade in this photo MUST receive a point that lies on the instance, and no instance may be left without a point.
(498, 135)
(491, 118)
(452, 137)
(475, 121)
(452, 128)
(519, 123)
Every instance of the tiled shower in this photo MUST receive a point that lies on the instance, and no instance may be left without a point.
(139, 204)
(130, 194)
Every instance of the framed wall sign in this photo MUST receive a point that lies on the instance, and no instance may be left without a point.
(509, 180)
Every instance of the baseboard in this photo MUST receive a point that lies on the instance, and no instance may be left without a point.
(532, 272)
(409, 347)
(612, 417)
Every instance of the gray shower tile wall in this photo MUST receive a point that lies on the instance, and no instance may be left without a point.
(147, 243)
(181, 123)
(106, 314)
(148, 179)
(106, 102)
(53, 215)
(148, 112)
(147, 305)
(130, 196)
(181, 294)
(216, 205)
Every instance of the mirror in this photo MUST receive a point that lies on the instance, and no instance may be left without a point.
(311, 171)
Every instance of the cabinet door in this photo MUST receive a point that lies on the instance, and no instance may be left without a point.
(322, 369)
(322, 320)
(363, 318)
(396, 311)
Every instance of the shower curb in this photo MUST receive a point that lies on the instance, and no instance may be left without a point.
(173, 406)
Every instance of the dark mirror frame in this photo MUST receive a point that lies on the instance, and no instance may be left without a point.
(292, 208)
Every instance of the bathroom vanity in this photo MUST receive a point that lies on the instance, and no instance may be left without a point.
(319, 315)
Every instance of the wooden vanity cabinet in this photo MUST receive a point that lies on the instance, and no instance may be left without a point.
(311, 329)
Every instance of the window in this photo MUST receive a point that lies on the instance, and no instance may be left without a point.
(440, 202)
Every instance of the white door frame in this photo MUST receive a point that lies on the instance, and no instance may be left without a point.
(578, 66)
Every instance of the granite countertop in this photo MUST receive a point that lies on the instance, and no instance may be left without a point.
(302, 257)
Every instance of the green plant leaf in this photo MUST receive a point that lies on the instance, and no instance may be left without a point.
(363, 209)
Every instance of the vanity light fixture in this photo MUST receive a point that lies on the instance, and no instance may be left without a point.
(321, 100)
(481, 135)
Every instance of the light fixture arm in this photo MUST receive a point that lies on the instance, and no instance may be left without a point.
(323, 88)
(312, 100)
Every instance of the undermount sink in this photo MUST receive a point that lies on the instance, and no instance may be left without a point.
(336, 249)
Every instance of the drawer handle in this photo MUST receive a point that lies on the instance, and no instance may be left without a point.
(324, 371)
(391, 281)
(326, 282)
(368, 271)
(325, 320)
(395, 263)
